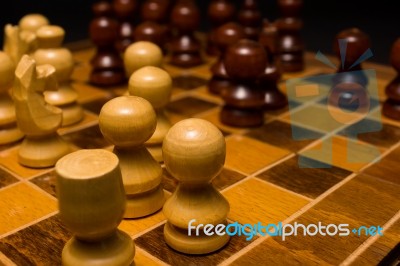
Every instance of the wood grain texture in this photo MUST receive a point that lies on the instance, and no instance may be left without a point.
(6, 178)
(47, 182)
(188, 82)
(386, 168)
(256, 201)
(310, 182)
(386, 137)
(358, 202)
(279, 133)
(247, 155)
(376, 253)
(39, 244)
(22, 204)
(340, 154)
(151, 243)
(88, 138)
(189, 106)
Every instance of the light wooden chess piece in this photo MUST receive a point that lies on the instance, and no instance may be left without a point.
(91, 200)
(32, 22)
(9, 131)
(154, 84)
(18, 43)
(194, 153)
(140, 54)
(128, 122)
(50, 52)
(42, 146)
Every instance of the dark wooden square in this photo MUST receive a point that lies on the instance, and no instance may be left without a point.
(88, 138)
(188, 82)
(153, 242)
(6, 178)
(310, 182)
(279, 134)
(189, 106)
(39, 244)
(47, 182)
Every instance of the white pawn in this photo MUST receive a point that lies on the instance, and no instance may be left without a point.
(50, 52)
(141, 54)
(194, 153)
(128, 122)
(154, 84)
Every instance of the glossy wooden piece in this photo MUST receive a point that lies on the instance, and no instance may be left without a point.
(273, 97)
(152, 31)
(391, 107)
(51, 52)
(290, 42)
(250, 17)
(125, 13)
(155, 85)
(92, 201)
(194, 153)
(225, 35)
(244, 62)
(38, 120)
(155, 10)
(9, 131)
(219, 13)
(107, 65)
(128, 122)
(18, 42)
(32, 22)
(185, 48)
(357, 43)
(141, 54)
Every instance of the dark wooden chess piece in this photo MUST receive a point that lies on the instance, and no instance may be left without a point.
(250, 17)
(219, 13)
(244, 62)
(154, 14)
(290, 42)
(391, 107)
(107, 65)
(274, 98)
(225, 35)
(184, 47)
(349, 84)
(125, 12)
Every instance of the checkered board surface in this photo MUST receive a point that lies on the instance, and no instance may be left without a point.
(261, 180)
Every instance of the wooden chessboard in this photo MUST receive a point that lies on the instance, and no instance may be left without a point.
(261, 180)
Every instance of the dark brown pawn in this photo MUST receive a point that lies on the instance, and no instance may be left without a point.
(290, 42)
(154, 14)
(350, 82)
(250, 18)
(391, 107)
(125, 12)
(357, 43)
(155, 10)
(107, 65)
(185, 48)
(244, 62)
(219, 12)
(274, 98)
(153, 32)
(226, 35)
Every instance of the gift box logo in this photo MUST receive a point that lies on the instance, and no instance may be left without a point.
(341, 106)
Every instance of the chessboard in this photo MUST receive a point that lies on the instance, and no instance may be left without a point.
(261, 180)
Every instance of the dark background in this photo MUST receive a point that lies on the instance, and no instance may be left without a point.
(322, 19)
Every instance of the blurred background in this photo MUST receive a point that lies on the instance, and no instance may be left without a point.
(322, 19)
